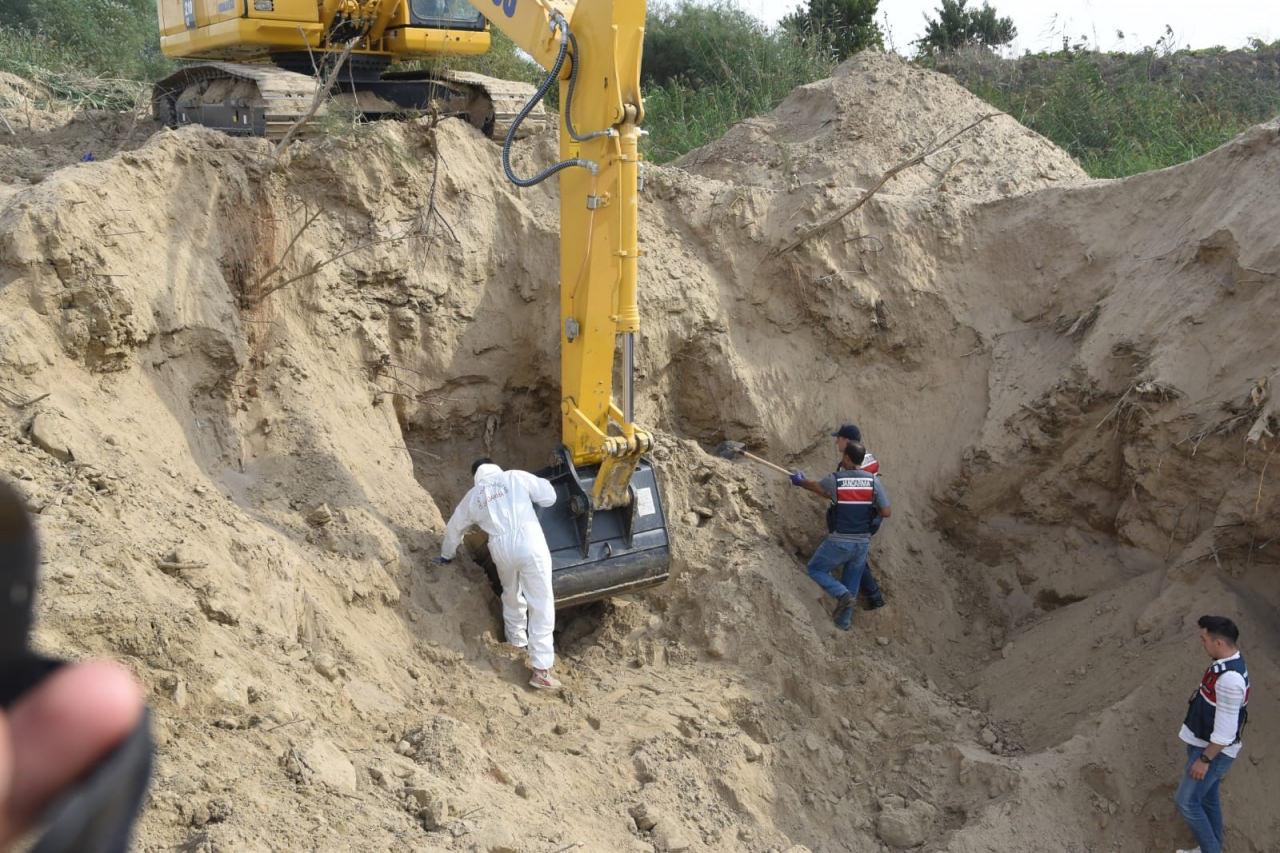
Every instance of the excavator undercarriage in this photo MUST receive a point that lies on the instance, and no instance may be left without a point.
(266, 100)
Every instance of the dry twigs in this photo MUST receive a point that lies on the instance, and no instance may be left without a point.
(275, 267)
(862, 199)
(422, 230)
(1261, 477)
(323, 88)
(14, 400)
(319, 265)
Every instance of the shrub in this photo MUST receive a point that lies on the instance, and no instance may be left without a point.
(708, 66)
(117, 38)
(1123, 113)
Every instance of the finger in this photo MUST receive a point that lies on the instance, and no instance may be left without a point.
(6, 775)
(62, 729)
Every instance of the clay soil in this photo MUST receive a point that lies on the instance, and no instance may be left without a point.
(242, 396)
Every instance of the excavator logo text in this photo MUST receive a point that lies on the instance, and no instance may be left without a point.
(508, 6)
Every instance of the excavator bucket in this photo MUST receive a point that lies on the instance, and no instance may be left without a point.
(598, 553)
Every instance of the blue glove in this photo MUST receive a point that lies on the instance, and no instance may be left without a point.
(442, 561)
(876, 521)
(797, 477)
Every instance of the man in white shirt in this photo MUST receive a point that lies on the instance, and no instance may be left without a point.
(501, 504)
(1216, 715)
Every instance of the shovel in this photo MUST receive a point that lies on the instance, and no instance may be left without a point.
(736, 450)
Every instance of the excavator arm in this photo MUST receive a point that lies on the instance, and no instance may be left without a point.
(593, 49)
(599, 250)
(607, 533)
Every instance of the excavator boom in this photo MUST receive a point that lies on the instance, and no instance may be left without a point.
(608, 532)
(260, 62)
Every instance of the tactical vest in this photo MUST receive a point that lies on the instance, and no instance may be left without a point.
(853, 510)
(872, 466)
(1203, 704)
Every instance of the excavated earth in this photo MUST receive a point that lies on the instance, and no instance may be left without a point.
(243, 394)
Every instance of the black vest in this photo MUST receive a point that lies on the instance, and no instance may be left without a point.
(1203, 704)
(853, 510)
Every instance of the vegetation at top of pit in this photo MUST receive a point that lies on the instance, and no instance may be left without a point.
(1120, 113)
(711, 64)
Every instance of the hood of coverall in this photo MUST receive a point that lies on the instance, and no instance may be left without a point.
(486, 471)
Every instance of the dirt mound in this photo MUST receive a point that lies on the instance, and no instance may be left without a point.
(41, 133)
(873, 113)
(241, 400)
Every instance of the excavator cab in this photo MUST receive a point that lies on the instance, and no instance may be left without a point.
(445, 15)
(597, 553)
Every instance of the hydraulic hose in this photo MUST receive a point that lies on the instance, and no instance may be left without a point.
(568, 99)
(559, 23)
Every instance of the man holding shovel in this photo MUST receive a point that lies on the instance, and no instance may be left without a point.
(858, 502)
(868, 587)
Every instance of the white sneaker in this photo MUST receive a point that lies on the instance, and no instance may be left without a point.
(544, 680)
(1192, 850)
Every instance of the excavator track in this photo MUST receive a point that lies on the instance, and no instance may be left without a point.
(506, 98)
(261, 100)
(239, 99)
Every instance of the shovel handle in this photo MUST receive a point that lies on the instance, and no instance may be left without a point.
(755, 458)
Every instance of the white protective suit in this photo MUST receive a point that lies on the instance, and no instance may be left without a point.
(501, 504)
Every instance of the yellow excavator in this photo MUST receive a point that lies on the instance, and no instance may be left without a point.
(607, 531)
(261, 58)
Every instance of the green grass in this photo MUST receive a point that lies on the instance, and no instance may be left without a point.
(680, 118)
(709, 66)
(94, 38)
(55, 69)
(1120, 114)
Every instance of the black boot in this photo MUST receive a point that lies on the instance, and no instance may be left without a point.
(844, 610)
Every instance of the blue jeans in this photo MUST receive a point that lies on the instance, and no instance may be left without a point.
(848, 558)
(868, 586)
(1198, 800)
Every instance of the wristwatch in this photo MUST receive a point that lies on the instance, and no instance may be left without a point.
(1206, 759)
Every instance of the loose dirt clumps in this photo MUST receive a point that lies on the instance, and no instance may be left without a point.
(40, 133)
(242, 399)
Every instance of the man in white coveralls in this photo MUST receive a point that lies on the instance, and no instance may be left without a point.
(501, 504)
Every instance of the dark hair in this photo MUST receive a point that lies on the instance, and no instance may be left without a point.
(855, 453)
(483, 460)
(1220, 627)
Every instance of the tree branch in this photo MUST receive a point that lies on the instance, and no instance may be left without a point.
(862, 199)
(319, 265)
(322, 93)
(275, 267)
(12, 399)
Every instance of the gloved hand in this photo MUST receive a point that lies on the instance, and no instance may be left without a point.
(876, 521)
(442, 561)
(797, 477)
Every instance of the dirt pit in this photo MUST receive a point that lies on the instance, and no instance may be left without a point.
(241, 471)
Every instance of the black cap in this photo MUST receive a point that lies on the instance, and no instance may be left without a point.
(849, 431)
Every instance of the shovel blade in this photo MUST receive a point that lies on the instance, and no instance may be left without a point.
(730, 449)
